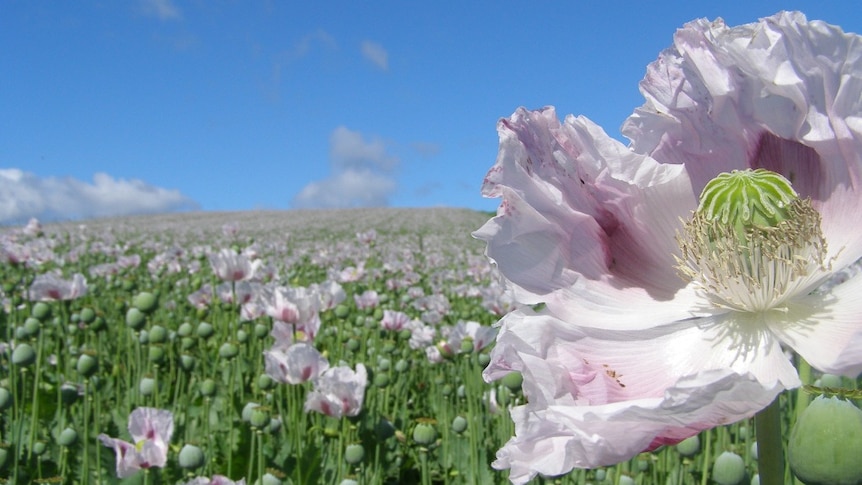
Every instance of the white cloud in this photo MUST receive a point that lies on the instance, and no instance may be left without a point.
(348, 188)
(24, 195)
(161, 9)
(362, 174)
(375, 53)
(348, 149)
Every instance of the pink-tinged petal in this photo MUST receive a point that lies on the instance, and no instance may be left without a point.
(555, 440)
(781, 94)
(151, 424)
(582, 213)
(826, 328)
(597, 397)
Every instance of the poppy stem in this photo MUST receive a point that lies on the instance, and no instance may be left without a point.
(770, 448)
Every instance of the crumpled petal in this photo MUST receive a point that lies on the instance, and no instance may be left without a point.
(552, 441)
(783, 94)
(824, 328)
(583, 214)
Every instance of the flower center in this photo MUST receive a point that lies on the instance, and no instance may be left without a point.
(752, 242)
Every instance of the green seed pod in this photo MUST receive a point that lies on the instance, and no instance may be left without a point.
(145, 302)
(185, 329)
(187, 343)
(32, 326)
(68, 394)
(424, 434)
(601, 474)
(826, 443)
(39, 448)
(23, 355)
(513, 381)
(135, 319)
(129, 285)
(156, 354)
(268, 479)
(147, 386)
(348, 481)
(728, 469)
(626, 480)
(404, 335)
(187, 362)
(208, 388)
(4, 455)
(384, 429)
(353, 345)
(265, 382)
(261, 330)
(341, 310)
(228, 350)
(41, 310)
(354, 453)
(247, 410)
(67, 437)
(401, 366)
(378, 313)
(5, 399)
(205, 330)
(88, 315)
(689, 446)
(459, 424)
(381, 379)
(259, 417)
(830, 380)
(241, 336)
(98, 324)
(384, 365)
(21, 333)
(191, 457)
(87, 365)
(484, 360)
(158, 334)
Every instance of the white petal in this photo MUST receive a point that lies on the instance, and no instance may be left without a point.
(826, 329)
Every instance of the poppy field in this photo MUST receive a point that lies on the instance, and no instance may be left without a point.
(298, 347)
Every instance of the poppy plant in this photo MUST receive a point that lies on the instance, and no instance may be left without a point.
(661, 286)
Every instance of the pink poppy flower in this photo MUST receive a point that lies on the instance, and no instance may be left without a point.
(294, 364)
(297, 306)
(228, 265)
(638, 342)
(339, 391)
(50, 287)
(393, 320)
(151, 430)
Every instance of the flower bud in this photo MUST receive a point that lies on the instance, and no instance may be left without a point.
(354, 454)
(156, 354)
(39, 448)
(32, 326)
(187, 362)
(185, 329)
(729, 469)
(259, 417)
(191, 457)
(826, 443)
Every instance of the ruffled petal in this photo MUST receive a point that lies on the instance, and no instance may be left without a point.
(581, 210)
(782, 94)
(598, 397)
(826, 328)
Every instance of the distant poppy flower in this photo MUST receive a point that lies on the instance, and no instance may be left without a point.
(646, 315)
(339, 391)
(50, 287)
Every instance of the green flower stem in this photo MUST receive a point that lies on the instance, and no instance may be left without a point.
(707, 456)
(802, 398)
(770, 451)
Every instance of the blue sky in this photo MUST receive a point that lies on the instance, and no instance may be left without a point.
(119, 107)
